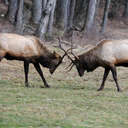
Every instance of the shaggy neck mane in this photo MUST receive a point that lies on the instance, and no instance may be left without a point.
(46, 55)
(40, 46)
(90, 60)
(46, 59)
(45, 52)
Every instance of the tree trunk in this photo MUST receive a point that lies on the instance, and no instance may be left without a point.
(44, 2)
(97, 13)
(51, 20)
(90, 16)
(105, 17)
(80, 11)
(13, 5)
(62, 13)
(125, 14)
(71, 14)
(44, 22)
(19, 23)
(36, 10)
(97, 7)
(115, 5)
(6, 2)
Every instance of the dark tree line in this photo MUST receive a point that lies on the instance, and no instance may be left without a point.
(65, 14)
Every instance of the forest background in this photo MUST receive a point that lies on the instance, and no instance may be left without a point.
(82, 21)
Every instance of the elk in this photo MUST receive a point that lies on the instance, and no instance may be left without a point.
(29, 49)
(107, 54)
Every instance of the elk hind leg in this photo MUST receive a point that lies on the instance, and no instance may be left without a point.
(2, 54)
(114, 73)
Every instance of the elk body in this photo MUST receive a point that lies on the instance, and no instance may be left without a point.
(28, 49)
(107, 54)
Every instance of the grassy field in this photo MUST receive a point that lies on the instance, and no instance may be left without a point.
(71, 102)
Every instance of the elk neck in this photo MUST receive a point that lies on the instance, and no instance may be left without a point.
(89, 60)
(46, 58)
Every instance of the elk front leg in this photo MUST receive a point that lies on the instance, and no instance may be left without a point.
(26, 70)
(2, 54)
(114, 73)
(38, 69)
(106, 72)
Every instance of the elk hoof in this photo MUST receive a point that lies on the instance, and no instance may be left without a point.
(100, 89)
(119, 90)
(46, 86)
(27, 85)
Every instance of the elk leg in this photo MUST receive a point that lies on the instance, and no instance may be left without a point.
(114, 73)
(1, 58)
(26, 70)
(2, 55)
(38, 69)
(106, 72)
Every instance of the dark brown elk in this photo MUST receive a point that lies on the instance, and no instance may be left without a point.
(29, 49)
(107, 54)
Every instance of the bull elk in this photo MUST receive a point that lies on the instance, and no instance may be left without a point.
(107, 54)
(29, 49)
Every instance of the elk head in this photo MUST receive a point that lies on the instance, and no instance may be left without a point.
(76, 61)
(56, 61)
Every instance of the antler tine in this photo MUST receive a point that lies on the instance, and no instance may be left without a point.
(66, 52)
(60, 44)
(72, 49)
(71, 66)
(75, 56)
(72, 46)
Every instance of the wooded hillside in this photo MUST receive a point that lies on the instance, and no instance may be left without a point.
(47, 18)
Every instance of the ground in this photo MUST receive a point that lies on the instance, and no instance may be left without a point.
(71, 102)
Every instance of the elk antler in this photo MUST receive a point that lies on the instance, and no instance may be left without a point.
(66, 52)
(76, 57)
(71, 66)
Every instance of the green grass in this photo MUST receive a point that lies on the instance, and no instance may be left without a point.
(71, 102)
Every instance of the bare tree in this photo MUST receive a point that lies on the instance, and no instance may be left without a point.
(19, 22)
(105, 17)
(71, 12)
(12, 10)
(51, 20)
(44, 2)
(90, 16)
(81, 13)
(45, 22)
(125, 14)
(62, 13)
(36, 10)
(6, 2)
